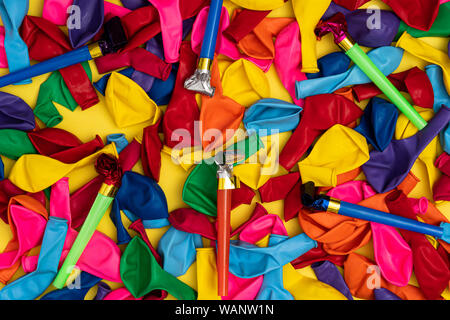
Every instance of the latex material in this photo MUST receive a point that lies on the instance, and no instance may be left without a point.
(417, 14)
(138, 58)
(431, 270)
(350, 4)
(15, 143)
(92, 13)
(384, 294)
(206, 274)
(287, 59)
(45, 41)
(331, 109)
(177, 249)
(316, 255)
(331, 64)
(271, 116)
(141, 273)
(442, 186)
(62, 145)
(3, 59)
(414, 81)
(134, 4)
(248, 261)
(12, 14)
(428, 53)
(101, 84)
(54, 89)
(401, 153)
(27, 219)
(15, 113)
(378, 123)
(259, 42)
(361, 27)
(171, 27)
(357, 277)
(32, 285)
(338, 150)
(259, 5)
(243, 22)
(441, 97)
(224, 45)
(34, 173)
(85, 282)
(387, 59)
(439, 28)
(151, 151)
(220, 113)
(308, 14)
(142, 198)
(272, 288)
(182, 109)
(119, 139)
(128, 103)
(102, 291)
(328, 273)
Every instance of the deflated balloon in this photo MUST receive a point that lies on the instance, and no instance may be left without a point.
(401, 155)
(15, 143)
(86, 282)
(331, 64)
(331, 109)
(378, 123)
(417, 14)
(142, 274)
(15, 113)
(92, 15)
(328, 273)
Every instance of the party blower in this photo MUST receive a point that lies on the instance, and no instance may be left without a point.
(226, 183)
(111, 170)
(326, 203)
(338, 27)
(200, 81)
(113, 39)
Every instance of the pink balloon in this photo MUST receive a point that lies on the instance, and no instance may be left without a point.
(223, 46)
(3, 60)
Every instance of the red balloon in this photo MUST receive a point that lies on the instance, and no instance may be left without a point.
(151, 151)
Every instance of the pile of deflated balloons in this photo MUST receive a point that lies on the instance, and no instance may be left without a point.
(210, 122)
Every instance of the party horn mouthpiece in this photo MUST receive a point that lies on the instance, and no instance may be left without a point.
(200, 81)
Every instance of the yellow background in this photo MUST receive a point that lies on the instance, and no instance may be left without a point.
(96, 120)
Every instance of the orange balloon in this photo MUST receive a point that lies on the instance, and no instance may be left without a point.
(362, 282)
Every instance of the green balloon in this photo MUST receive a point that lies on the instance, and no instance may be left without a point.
(200, 188)
(54, 89)
(440, 27)
(141, 273)
(15, 143)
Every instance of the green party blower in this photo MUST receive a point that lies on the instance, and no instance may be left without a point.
(338, 27)
(110, 169)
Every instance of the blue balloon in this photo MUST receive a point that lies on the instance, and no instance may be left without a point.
(441, 97)
(271, 116)
(330, 65)
(385, 294)
(177, 250)
(250, 261)
(119, 140)
(272, 287)
(378, 123)
(76, 291)
(387, 59)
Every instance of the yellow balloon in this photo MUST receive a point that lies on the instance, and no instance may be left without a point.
(424, 51)
(259, 5)
(305, 288)
(308, 14)
(340, 149)
(35, 172)
(207, 274)
(245, 83)
(128, 103)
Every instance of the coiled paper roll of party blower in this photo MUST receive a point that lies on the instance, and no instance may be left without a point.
(108, 167)
(326, 203)
(114, 38)
(226, 183)
(338, 27)
(200, 81)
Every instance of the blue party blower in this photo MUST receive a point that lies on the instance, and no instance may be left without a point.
(114, 38)
(326, 203)
(200, 81)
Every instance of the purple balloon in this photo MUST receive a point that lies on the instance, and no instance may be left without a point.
(92, 16)
(328, 273)
(385, 294)
(103, 290)
(333, 9)
(134, 4)
(386, 170)
(374, 28)
(15, 113)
